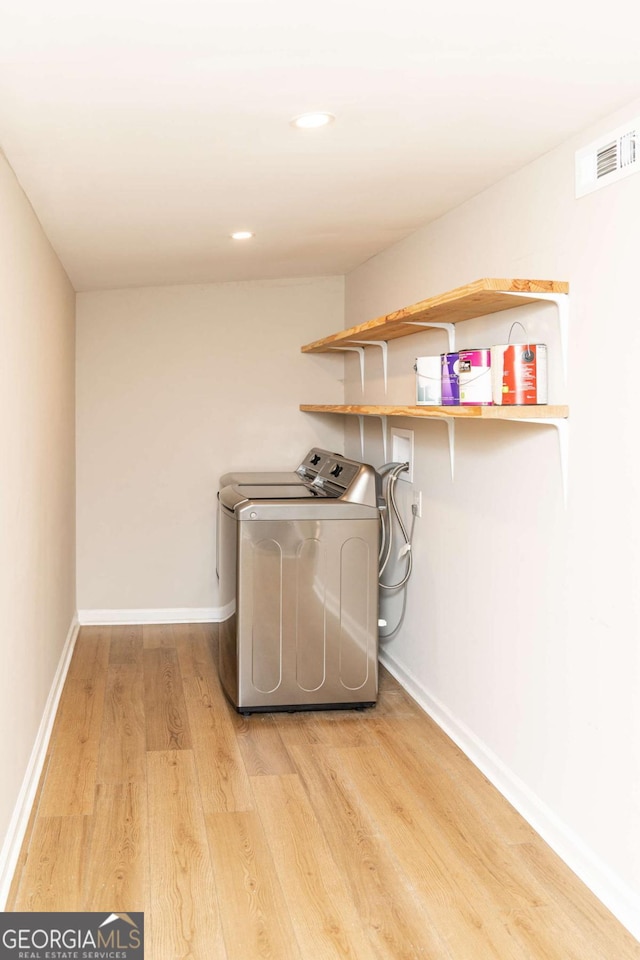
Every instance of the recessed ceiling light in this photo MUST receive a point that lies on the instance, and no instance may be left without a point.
(242, 235)
(309, 121)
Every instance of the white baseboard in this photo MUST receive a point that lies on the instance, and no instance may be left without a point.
(155, 615)
(22, 810)
(618, 897)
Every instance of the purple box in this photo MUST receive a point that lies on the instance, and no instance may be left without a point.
(450, 384)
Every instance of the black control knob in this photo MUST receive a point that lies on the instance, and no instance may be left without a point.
(337, 470)
(315, 459)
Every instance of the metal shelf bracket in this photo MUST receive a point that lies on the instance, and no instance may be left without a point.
(361, 424)
(561, 301)
(451, 430)
(562, 428)
(449, 327)
(451, 433)
(360, 351)
(383, 426)
(384, 347)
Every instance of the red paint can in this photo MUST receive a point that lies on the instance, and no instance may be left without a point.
(519, 373)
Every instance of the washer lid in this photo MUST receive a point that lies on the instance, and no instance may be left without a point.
(261, 476)
(272, 491)
(239, 493)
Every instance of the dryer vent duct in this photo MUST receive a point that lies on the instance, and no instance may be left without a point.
(609, 159)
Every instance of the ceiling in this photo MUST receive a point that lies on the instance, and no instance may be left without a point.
(144, 132)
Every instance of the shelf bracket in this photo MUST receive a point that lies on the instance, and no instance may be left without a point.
(451, 432)
(361, 423)
(562, 429)
(561, 301)
(360, 351)
(449, 327)
(384, 347)
(383, 426)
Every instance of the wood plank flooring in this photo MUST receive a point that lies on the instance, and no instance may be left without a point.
(311, 836)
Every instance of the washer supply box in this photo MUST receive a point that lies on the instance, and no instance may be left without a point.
(507, 374)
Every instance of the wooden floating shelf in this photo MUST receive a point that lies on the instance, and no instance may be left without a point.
(537, 412)
(477, 299)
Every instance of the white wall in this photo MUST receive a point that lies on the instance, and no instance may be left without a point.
(37, 490)
(521, 633)
(177, 385)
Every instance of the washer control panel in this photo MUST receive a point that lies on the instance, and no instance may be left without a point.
(345, 479)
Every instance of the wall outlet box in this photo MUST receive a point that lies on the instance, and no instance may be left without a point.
(402, 451)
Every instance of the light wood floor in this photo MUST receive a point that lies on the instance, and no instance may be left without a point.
(308, 836)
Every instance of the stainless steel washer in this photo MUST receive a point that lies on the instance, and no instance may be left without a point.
(299, 563)
(307, 471)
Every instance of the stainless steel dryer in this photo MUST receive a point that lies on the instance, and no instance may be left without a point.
(299, 563)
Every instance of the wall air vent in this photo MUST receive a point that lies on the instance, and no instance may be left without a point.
(612, 157)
